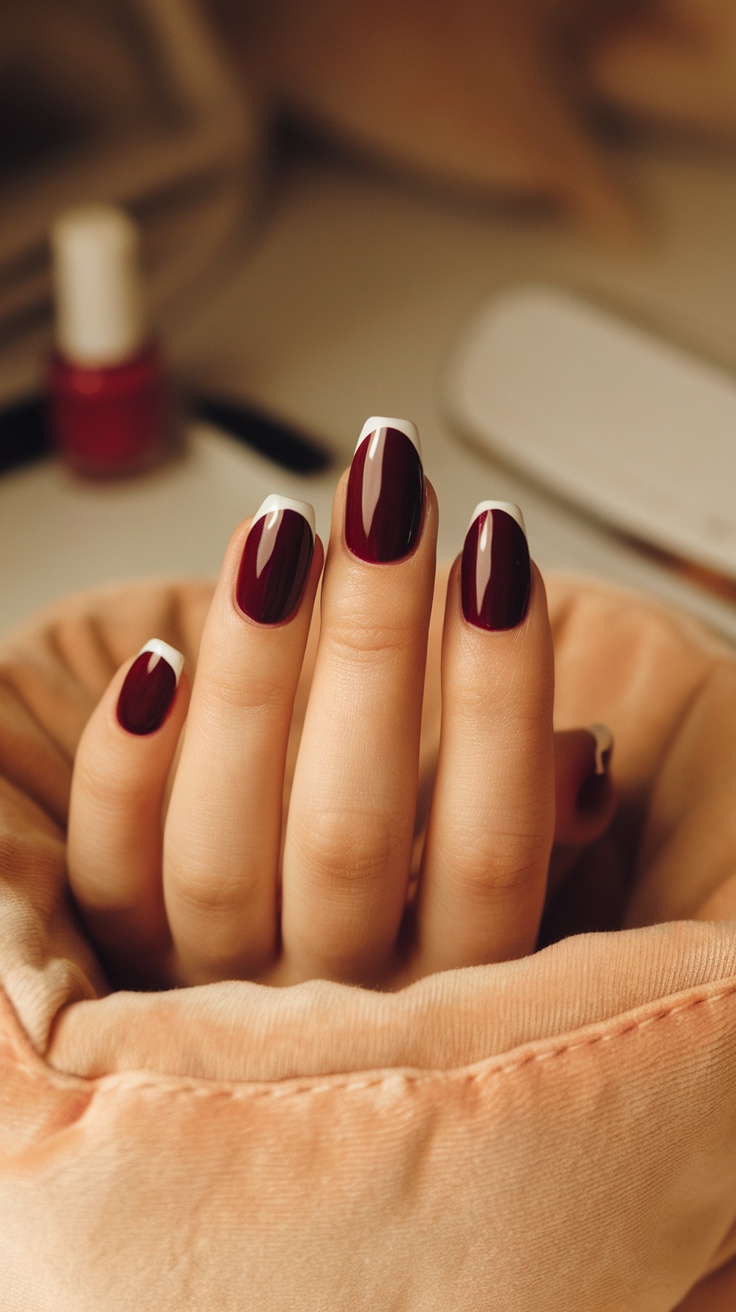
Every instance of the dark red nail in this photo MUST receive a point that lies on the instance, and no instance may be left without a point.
(385, 493)
(149, 687)
(495, 572)
(596, 786)
(275, 564)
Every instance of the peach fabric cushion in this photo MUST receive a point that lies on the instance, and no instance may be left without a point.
(557, 1132)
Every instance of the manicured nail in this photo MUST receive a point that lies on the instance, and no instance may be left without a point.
(276, 559)
(383, 510)
(149, 687)
(594, 789)
(495, 572)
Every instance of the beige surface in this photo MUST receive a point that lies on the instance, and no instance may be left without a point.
(347, 306)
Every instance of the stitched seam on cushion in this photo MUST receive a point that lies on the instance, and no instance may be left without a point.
(621, 1033)
(286, 1089)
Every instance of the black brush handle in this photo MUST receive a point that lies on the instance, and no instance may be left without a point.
(23, 433)
(274, 438)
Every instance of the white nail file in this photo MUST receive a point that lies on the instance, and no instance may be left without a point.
(623, 423)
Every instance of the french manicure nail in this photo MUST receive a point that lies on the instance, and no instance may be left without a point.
(495, 573)
(385, 491)
(594, 789)
(149, 687)
(276, 559)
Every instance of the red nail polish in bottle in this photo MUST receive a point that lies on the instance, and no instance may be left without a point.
(109, 403)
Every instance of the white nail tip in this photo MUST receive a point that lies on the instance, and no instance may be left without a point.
(603, 743)
(167, 653)
(510, 508)
(404, 426)
(274, 502)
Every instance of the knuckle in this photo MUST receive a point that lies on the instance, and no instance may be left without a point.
(106, 789)
(207, 893)
(491, 692)
(359, 643)
(252, 690)
(348, 847)
(513, 866)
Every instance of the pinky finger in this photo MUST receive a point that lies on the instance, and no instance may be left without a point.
(584, 793)
(115, 815)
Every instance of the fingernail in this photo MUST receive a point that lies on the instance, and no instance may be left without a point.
(383, 510)
(495, 572)
(594, 789)
(276, 559)
(149, 687)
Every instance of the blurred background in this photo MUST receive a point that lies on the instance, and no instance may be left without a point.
(326, 193)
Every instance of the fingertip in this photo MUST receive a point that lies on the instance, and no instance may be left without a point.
(344, 507)
(121, 705)
(383, 509)
(269, 562)
(149, 688)
(118, 786)
(495, 571)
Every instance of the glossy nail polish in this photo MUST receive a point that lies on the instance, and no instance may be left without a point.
(495, 571)
(149, 687)
(595, 787)
(276, 559)
(383, 509)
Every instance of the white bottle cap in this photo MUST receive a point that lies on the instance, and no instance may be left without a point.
(100, 318)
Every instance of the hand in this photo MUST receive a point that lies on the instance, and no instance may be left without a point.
(238, 883)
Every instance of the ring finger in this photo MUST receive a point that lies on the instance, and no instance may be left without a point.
(491, 825)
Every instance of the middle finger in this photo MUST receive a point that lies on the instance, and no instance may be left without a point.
(351, 815)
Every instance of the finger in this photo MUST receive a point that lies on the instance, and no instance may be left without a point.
(223, 826)
(115, 816)
(351, 816)
(584, 795)
(492, 820)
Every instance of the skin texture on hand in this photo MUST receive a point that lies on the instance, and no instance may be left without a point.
(228, 887)
(665, 688)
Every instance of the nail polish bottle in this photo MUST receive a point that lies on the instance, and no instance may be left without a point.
(109, 403)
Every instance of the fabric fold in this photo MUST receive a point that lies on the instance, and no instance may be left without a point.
(558, 1131)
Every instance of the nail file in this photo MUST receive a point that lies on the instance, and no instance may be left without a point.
(628, 426)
